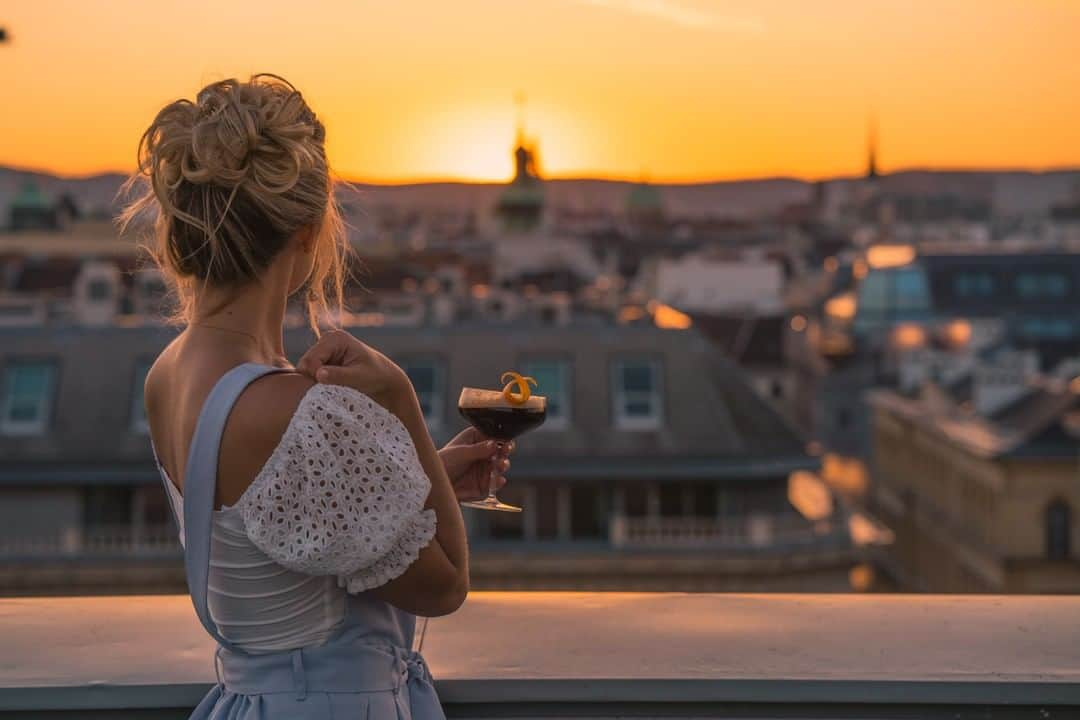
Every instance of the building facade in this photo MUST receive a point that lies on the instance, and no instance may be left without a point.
(980, 502)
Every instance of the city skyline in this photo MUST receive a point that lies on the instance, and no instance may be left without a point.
(617, 89)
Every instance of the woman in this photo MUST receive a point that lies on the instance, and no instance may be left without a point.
(317, 516)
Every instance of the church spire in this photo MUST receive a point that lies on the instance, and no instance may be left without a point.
(871, 148)
(519, 104)
(521, 204)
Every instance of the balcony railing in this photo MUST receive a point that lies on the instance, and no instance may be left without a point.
(104, 541)
(750, 532)
(603, 655)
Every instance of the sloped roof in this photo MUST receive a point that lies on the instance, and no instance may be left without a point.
(714, 425)
(1030, 426)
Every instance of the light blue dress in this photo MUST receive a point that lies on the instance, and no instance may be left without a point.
(367, 669)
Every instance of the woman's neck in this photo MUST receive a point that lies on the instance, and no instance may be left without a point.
(256, 311)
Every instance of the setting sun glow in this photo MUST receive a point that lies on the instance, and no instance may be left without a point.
(678, 90)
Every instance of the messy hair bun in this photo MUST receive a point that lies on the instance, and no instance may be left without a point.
(231, 177)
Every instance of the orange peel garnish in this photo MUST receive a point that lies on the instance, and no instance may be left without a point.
(522, 383)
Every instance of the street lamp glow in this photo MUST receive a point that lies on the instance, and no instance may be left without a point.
(668, 318)
(841, 307)
(888, 256)
(958, 333)
(909, 336)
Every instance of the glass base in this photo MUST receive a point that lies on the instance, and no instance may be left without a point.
(490, 503)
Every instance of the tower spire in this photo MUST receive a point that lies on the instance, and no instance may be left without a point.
(871, 148)
(519, 104)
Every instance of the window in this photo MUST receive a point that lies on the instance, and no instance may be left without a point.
(28, 389)
(108, 507)
(911, 290)
(588, 514)
(1058, 521)
(553, 382)
(99, 289)
(636, 395)
(973, 283)
(1046, 285)
(671, 500)
(1047, 328)
(874, 293)
(776, 389)
(426, 376)
(843, 419)
(138, 404)
(887, 296)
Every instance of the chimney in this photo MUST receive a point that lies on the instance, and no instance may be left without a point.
(552, 309)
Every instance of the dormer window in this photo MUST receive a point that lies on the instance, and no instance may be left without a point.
(636, 394)
(28, 397)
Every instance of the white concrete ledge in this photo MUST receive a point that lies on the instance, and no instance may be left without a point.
(547, 649)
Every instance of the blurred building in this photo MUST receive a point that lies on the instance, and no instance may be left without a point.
(698, 283)
(658, 465)
(977, 476)
(893, 300)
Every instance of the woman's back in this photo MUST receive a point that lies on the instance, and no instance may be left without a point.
(177, 386)
(257, 603)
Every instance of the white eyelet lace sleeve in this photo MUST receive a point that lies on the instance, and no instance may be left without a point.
(342, 494)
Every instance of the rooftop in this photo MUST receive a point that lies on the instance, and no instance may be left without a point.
(727, 430)
(604, 654)
(1035, 425)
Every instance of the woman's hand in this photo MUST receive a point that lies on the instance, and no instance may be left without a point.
(469, 459)
(340, 359)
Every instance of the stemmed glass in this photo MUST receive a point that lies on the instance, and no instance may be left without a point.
(493, 415)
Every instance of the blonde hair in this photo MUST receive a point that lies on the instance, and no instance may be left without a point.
(229, 179)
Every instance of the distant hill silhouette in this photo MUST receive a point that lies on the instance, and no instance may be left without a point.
(1008, 191)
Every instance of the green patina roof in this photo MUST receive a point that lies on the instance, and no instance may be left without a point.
(522, 193)
(31, 197)
(644, 196)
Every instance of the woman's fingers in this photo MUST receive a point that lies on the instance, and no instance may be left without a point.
(468, 436)
(506, 448)
(328, 350)
(461, 456)
(337, 375)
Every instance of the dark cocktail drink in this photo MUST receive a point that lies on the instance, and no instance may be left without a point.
(503, 423)
(502, 416)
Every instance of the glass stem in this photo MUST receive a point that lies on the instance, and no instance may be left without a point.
(493, 477)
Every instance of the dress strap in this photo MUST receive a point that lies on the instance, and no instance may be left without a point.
(200, 481)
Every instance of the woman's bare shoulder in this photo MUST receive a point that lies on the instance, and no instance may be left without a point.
(266, 407)
(254, 429)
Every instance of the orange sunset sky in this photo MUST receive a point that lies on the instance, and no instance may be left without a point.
(675, 90)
